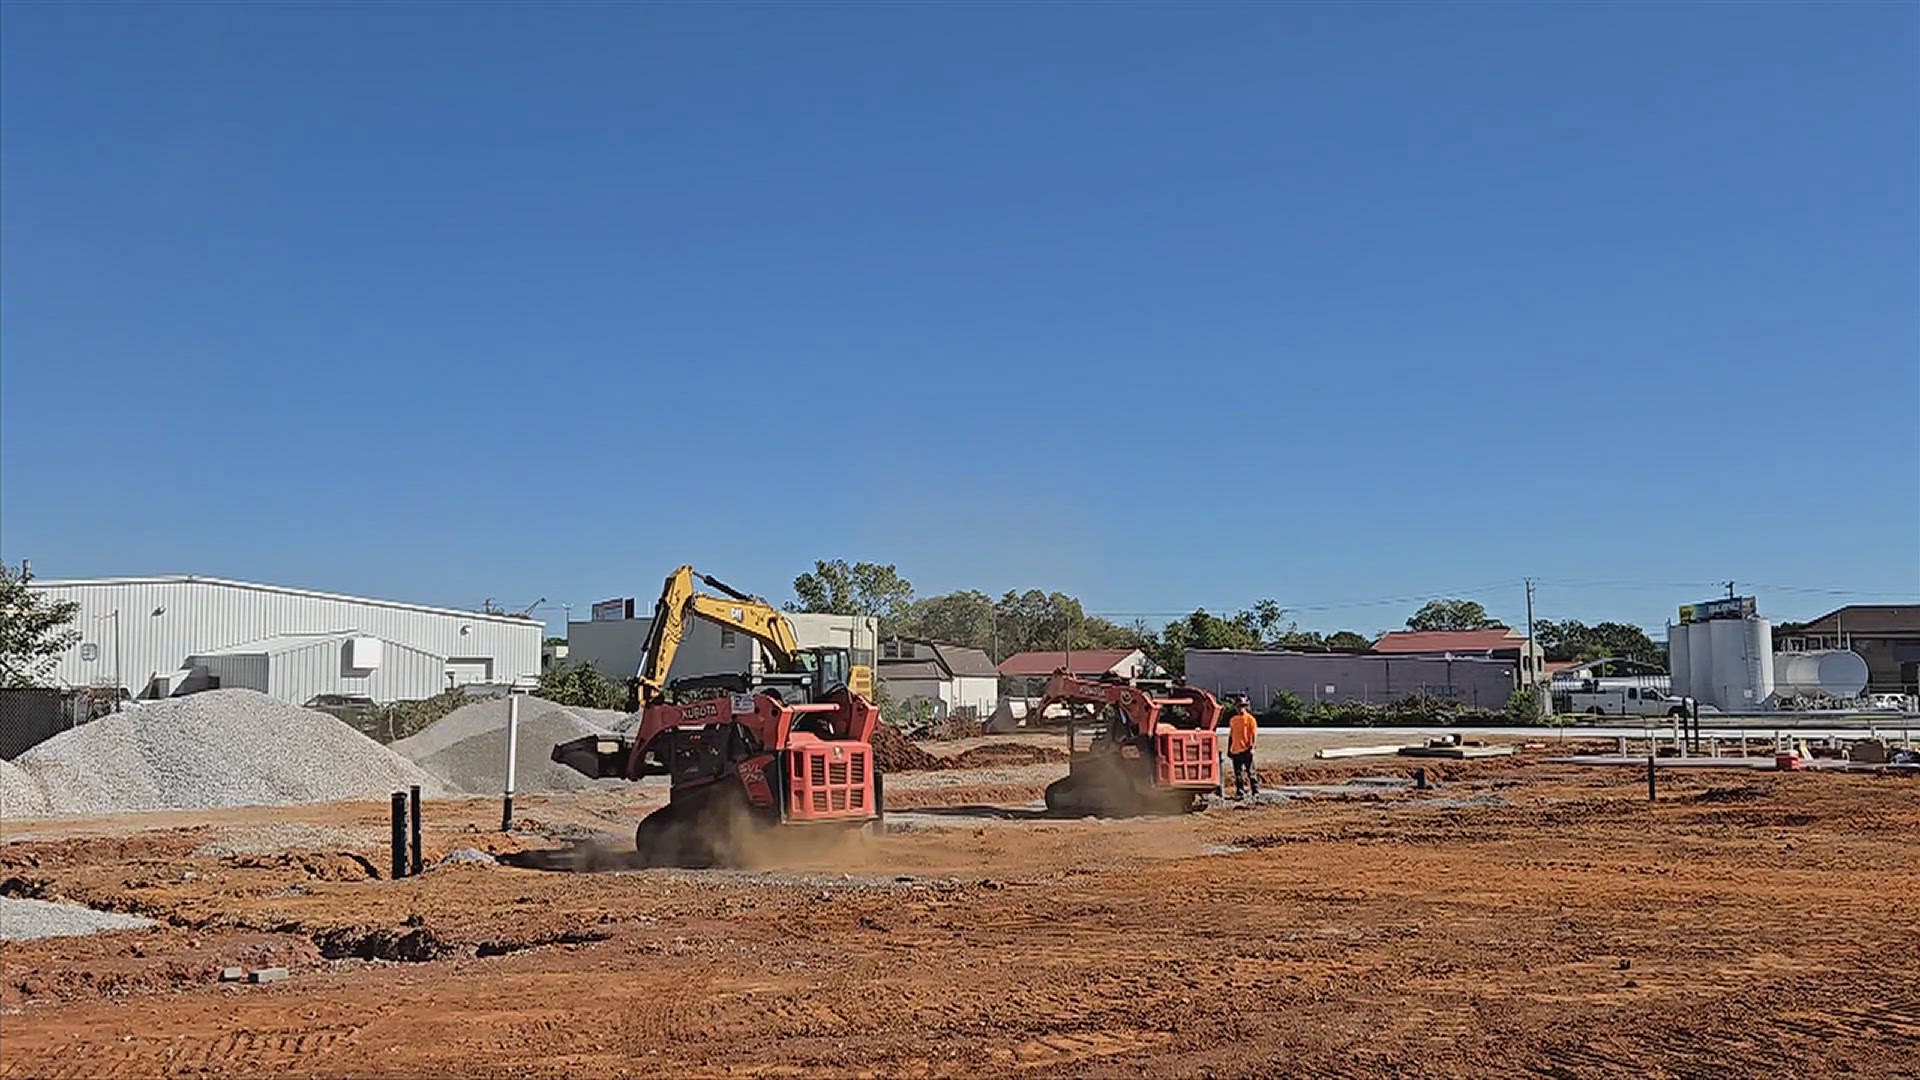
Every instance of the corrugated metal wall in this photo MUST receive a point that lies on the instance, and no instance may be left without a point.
(301, 674)
(163, 622)
(1372, 679)
(240, 671)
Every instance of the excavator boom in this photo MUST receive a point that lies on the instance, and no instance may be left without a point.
(757, 619)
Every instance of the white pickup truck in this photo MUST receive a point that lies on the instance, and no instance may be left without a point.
(1626, 701)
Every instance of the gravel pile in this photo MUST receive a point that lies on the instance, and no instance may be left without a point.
(25, 920)
(219, 748)
(467, 748)
(20, 794)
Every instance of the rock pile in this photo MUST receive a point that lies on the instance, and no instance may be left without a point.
(467, 748)
(20, 794)
(27, 920)
(219, 748)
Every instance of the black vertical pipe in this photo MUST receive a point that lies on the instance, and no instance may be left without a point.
(506, 813)
(1420, 779)
(1652, 791)
(413, 805)
(399, 835)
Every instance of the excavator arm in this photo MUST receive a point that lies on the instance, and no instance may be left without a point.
(757, 619)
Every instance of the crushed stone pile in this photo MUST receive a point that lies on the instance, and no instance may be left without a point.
(25, 920)
(467, 748)
(20, 794)
(893, 753)
(213, 749)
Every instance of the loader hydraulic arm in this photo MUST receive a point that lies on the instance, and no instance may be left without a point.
(1142, 708)
(736, 611)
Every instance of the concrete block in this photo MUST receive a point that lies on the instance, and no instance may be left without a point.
(232, 974)
(267, 975)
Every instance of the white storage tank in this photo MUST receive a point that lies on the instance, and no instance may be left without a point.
(1700, 663)
(1742, 663)
(1758, 634)
(1826, 673)
(1677, 673)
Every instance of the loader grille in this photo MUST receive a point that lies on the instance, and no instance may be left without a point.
(830, 780)
(1187, 759)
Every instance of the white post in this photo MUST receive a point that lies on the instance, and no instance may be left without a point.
(513, 751)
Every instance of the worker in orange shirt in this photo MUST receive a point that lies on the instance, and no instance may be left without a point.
(1241, 729)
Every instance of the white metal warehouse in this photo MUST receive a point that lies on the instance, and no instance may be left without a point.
(160, 636)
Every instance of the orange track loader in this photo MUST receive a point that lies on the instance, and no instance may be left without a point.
(1155, 753)
(752, 753)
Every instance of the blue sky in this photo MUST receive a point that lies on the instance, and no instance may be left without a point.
(1158, 305)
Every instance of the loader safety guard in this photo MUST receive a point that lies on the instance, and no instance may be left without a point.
(1186, 759)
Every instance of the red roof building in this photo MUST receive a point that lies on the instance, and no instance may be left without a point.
(1027, 672)
(1494, 642)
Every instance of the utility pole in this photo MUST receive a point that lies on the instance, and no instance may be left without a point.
(1729, 590)
(1533, 674)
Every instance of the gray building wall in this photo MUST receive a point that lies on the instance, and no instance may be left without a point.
(1375, 679)
(164, 621)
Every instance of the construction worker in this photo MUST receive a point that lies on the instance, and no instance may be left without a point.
(1241, 729)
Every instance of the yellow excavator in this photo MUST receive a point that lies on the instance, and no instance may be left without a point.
(747, 751)
(811, 671)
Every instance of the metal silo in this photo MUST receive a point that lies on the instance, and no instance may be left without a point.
(1757, 637)
(1677, 673)
(1700, 663)
(1728, 649)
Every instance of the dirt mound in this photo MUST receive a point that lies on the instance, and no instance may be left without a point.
(893, 753)
(1006, 754)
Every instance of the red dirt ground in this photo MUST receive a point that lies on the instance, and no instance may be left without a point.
(1521, 919)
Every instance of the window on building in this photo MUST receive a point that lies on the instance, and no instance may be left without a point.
(726, 638)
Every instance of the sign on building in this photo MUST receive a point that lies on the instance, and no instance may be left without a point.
(613, 610)
(1727, 607)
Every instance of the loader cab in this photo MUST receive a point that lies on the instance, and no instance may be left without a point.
(828, 669)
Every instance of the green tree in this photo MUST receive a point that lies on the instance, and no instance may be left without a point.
(961, 618)
(580, 684)
(835, 587)
(1347, 640)
(34, 630)
(1571, 639)
(1451, 615)
(1201, 630)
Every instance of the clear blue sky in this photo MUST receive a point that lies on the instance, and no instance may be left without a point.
(1160, 306)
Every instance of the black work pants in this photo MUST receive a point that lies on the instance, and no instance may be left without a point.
(1243, 767)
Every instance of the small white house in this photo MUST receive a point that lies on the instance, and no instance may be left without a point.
(956, 678)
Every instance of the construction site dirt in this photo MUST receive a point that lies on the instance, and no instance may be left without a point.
(1514, 918)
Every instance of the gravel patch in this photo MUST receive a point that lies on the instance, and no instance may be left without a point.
(469, 855)
(467, 748)
(26, 920)
(20, 794)
(215, 749)
(271, 839)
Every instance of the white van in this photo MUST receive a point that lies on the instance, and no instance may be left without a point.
(1626, 701)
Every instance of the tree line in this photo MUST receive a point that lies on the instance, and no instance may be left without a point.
(1039, 620)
